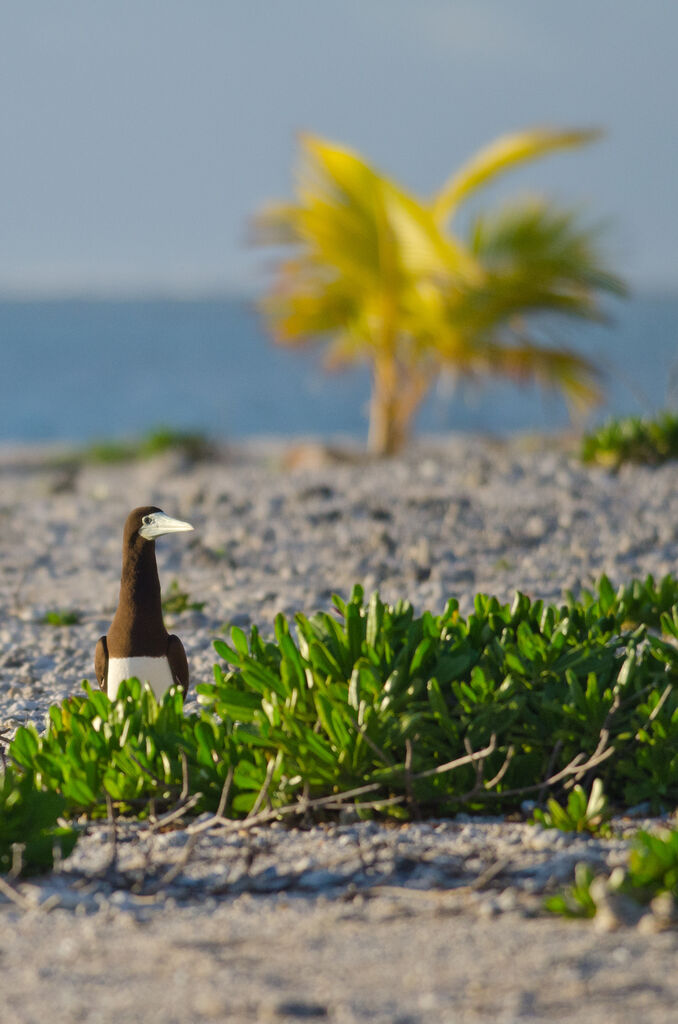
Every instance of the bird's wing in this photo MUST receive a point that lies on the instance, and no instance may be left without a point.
(178, 662)
(101, 662)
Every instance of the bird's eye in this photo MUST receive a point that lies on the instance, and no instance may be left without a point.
(146, 520)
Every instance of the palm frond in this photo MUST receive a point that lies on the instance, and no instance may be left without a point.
(349, 212)
(308, 302)
(501, 155)
(524, 360)
(537, 240)
(342, 216)
(560, 369)
(276, 224)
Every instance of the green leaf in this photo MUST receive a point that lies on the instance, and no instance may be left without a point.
(25, 745)
(239, 640)
(319, 747)
(227, 653)
(375, 618)
(354, 629)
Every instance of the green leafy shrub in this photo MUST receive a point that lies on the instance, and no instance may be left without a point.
(583, 812)
(134, 749)
(633, 439)
(28, 818)
(346, 703)
(653, 864)
(177, 601)
(194, 446)
(376, 702)
(576, 901)
(62, 618)
(639, 602)
(652, 870)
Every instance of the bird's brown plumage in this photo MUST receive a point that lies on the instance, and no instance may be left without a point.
(138, 629)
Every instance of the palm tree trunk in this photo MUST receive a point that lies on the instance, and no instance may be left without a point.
(397, 391)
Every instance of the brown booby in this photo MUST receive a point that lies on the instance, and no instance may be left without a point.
(137, 643)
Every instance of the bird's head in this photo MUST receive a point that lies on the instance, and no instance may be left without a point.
(148, 522)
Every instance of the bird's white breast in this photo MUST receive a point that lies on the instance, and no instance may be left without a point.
(154, 671)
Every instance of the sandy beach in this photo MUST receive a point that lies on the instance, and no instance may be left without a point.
(298, 937)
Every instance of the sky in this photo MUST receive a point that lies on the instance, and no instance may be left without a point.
(138, 137)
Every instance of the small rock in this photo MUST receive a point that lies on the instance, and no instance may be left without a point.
(614, 909)
(488, 908)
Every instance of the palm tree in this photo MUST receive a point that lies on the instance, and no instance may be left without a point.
(381, 276)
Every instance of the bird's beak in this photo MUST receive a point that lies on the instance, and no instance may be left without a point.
(157, 524)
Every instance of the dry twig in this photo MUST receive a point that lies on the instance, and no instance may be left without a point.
(656, 709)
(225, 791)
(263, 792)
(337, 801)
(14, 895)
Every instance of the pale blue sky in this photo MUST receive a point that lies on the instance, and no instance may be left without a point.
(136, 137)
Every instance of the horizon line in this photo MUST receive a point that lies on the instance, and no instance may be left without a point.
(242, 293)
(156, 293)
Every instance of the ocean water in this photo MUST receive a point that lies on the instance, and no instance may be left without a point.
(77, 370)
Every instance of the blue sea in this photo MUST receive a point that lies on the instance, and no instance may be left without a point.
(79, 370)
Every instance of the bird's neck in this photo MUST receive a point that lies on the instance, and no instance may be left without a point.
(138, 624)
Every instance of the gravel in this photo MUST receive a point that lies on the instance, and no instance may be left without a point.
(357, 921)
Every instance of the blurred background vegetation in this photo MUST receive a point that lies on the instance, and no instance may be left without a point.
(389, 280)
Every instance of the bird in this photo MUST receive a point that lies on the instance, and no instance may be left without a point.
(137, 643)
